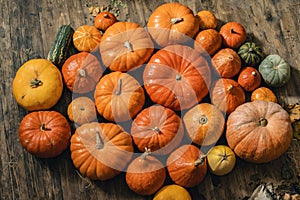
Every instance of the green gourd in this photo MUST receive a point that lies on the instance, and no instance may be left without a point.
(251, 53)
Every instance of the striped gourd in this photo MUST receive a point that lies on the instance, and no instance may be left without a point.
(251, 54)
(63, 46)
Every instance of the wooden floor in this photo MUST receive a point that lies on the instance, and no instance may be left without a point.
(28, 29)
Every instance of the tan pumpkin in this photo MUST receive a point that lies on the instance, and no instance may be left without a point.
(259, 131)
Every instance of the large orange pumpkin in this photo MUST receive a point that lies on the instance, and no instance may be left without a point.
(119, 97)
(172, 23)
(100, 151)
(259, 131)
(157, 128)
(177, 77)
(125, 46)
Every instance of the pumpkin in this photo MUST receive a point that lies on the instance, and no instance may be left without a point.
(172, 191)
(207, 20)
(233, 34)
(204, 124)
(249, 78)
(44, 134)
(157, 128)
(263, 93)
(172, 23)
(227, 94)
(145, 175)
(125, 46)
(177, 77)
(251, 53)
(100, 151)
(259, 131)
(104, 19)
(82, 110)
(81, 72)
(275, 71)
(86, 38)
(208, 40)
(37, 85)
(187, 166)
(226, 63)
(118, 97)
(221, 160)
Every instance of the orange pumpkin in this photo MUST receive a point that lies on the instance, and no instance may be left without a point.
(227, 94)
(118, 97)
(82, 110)
(227, 63)
(187, 166)
(44, 134)
(125, 46)
(204, 124)
(86, 38)
(207, 20)
(259, 131)
(172, 23)
(208, 40)
(100, 151)
(157, 128)
(249, 78)
(145, 175)
(233, 34)
(263, 93)
(81, 72)
(177, 77)
(103, 20)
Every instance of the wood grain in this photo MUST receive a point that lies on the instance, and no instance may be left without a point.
(28, 30)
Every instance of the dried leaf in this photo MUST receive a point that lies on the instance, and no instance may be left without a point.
(294, 111)
(296, 129)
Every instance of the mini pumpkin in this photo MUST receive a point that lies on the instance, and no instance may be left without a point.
(226, 63)
(125, 46)
(233, 34)
(249, 78)
(37, 85)
(118, 97)
(104, 19)
(227, 95)
(81, 72)
(207, 20)
(157, 128)
(259, 131)
(204, 124)
(251, 53)
(100, 151)
(44, 134)
(145, 175)
(86, 38)
(172, 23)
(177, 77)
(174, 192)
(187, 166)
(208, 40)
(263, 93)
(275, 71)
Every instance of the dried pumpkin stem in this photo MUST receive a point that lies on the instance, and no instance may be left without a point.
(82, 73)
(203, 120)
(119, 89)
(146, 153)
(178, 77)
(176, 20)
(230, 87)
(200, 160)
(44, 128)
(128, 45)
(253, 73)
(156, 129)
(232, 31)
(262, 122)
(35, 83)
(105, 15)
(99, 141)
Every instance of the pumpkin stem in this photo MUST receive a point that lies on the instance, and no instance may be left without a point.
(178, 77)
(105, 15)
(99, 141)
(230, 57)
(253, 73)
(230, 87)
(44, 128)
(262, 122)
(119, 90)
(200, 160)
(82, 73)
(156, 129)
(224, 156)
(176, 20)
(232, 31)
(146, 153)
(35, 83)
(203, 120)
(128, 45)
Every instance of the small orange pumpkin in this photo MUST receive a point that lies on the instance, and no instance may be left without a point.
(207, 20)
(233, 34)
(263, 93)
(249, 78)
(209, 40)
(104, 19)
(86, 38)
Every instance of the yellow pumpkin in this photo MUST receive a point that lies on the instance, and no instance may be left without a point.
(172, 192)
(37, 85)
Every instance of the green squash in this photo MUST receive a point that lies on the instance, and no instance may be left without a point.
(251, 54)
(275, 71)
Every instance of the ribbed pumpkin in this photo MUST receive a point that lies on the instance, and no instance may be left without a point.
(227, 95)
(233, 34)
(251, 53)
(100, 151)
(177, 77)
(207, 20)
(172, 23)
(157, 128)
(86, 38)
(249, 78)
(208, 40)
(103, 20)
(275, 71)
(259, 131)
(263, 93)
(204, 124)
